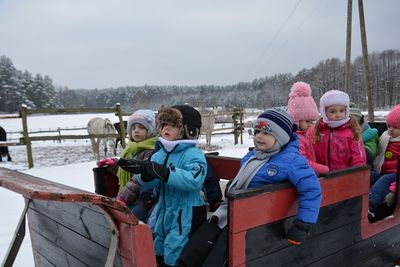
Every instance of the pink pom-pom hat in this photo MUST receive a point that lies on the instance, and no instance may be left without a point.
(301, 105)
(393, 118)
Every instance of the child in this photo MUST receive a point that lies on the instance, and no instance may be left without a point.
(178, 170)
(142, 140)
(369, 135)
(385, 163)
(303, 110)
(337, 139)
(274, 159)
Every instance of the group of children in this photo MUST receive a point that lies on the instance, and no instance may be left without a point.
(162, 171)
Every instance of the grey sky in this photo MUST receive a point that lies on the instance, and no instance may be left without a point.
(102, 43)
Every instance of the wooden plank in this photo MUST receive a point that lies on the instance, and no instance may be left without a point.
(223, 167)
(248, 213)
(70, 110)
(62, 137)
(385, 244)
(37, 188)
(88, 222)
(72, 243)
(269, 239)
(309, 251)
(48, 254)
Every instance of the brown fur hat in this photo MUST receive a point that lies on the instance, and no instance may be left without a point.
(184, 117)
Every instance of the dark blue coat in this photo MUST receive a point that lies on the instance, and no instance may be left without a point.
(290, 165)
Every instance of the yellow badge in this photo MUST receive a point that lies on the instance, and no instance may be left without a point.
(389, 155)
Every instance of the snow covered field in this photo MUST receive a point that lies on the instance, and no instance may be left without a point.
(69, 163)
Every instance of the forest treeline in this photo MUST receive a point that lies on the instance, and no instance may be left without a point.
(38, 91)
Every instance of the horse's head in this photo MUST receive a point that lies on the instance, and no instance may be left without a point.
(110, 129)
(109, 126)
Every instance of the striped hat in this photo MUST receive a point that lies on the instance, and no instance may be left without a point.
(277, 122)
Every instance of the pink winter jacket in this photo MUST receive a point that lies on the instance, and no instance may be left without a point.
(337, 148)
(307, 150)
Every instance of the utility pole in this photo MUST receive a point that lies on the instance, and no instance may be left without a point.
(348, 47)
(365, 59)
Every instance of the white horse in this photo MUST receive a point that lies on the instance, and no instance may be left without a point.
(208, 121)
(101, 126)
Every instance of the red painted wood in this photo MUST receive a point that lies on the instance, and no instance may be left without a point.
(143, 249)
(370, 229)
(135, 239)
(268, 207)
(237, 249)
(223, 167)
(256, 210)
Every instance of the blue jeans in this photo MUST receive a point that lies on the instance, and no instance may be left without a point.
(374, 177)
(380, 189)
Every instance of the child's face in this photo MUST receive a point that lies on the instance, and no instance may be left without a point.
(264, 141)
(304, 125)
(336, 113)
(170, 133)
(138, 132)
(393, 132)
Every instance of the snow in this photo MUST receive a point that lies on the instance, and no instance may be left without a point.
(70, 163)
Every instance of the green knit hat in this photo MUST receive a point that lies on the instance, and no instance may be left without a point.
(354, 111)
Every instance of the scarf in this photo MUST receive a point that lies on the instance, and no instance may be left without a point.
(242, 181)
(130, 152)
(383, 143)
(170, 145)
(335, 124)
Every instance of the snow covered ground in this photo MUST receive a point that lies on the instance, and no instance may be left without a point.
(69, 163)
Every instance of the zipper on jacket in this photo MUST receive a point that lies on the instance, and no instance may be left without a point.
(180, 221)
(164, 195)
(329, 148)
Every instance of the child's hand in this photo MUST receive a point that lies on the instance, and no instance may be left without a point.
(107, 162)
(154, 170)
(131, 165)
(298, 232)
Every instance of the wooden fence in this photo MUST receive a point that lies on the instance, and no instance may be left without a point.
(236, 117)
(27, 139)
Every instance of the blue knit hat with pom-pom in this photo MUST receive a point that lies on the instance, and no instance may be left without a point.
(276, 122)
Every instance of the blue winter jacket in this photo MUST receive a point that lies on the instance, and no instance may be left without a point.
(290, 165)
(177, 198)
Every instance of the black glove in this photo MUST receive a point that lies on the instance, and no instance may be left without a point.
(154, 170)
(148, 170)
(131, 165)
(298, 232)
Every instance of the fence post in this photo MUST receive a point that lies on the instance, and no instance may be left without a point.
(59, 133)
(121, 125)
(241, 124)
(23, 113)
(235, 125)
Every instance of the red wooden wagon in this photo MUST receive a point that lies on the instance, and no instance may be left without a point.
(72, 227)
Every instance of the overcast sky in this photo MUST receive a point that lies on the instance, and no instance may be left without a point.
(103, 43)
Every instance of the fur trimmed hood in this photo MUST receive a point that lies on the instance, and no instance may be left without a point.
(184, 117)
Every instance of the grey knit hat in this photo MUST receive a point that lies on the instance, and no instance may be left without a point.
(146, 118)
